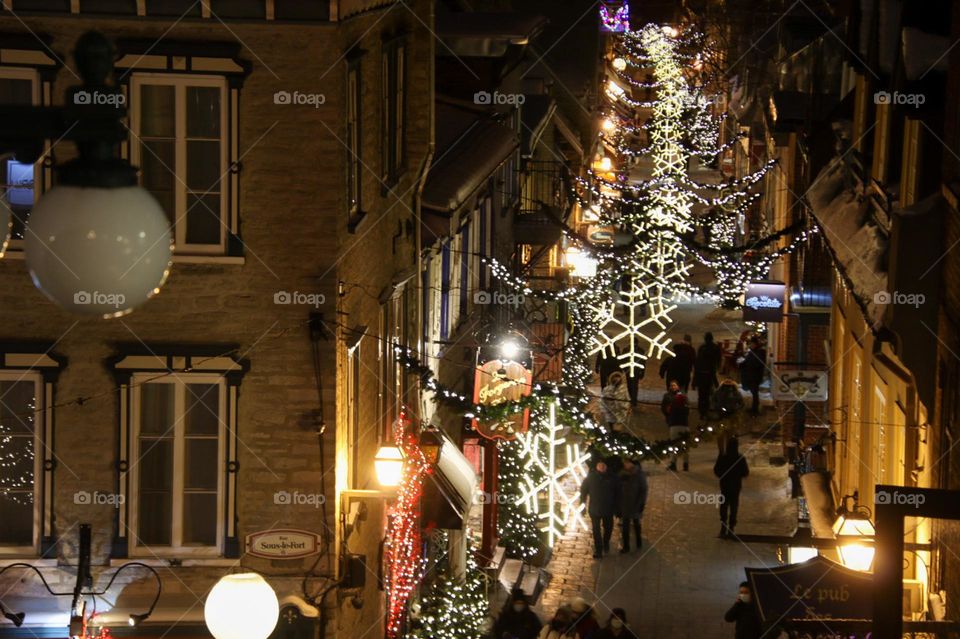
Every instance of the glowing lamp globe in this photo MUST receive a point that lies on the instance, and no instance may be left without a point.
(608, 125)
(619, 64)
(849, 529)
(388, 465)
(98, 251)
(241, 606)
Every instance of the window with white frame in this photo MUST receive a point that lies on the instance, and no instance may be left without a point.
(176, 467)
(180, 142)
(21, 459)
(20, 86)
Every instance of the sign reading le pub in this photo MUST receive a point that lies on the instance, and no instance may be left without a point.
(814, 589)
(283, 543)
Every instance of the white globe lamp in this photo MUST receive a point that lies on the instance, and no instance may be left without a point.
(241, 606)
(98, 251)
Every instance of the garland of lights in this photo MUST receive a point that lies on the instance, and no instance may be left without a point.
(402, 547)
(517, 528)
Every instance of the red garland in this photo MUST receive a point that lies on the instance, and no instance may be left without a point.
(402, 551)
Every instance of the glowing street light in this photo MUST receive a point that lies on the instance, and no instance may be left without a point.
(851, 529)
(388, 465)
(241, 606)
(619, 64)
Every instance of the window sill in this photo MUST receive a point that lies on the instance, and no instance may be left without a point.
(179, 562)
(6, 560)
(231, 260)
(354, 221)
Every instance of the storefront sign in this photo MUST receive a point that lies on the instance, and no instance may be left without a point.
(799, 385)
(496, 382)
(283, 543)
(814, 589)
(764, 302)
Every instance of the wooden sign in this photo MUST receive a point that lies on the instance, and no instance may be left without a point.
(283, 543)
(496, 382)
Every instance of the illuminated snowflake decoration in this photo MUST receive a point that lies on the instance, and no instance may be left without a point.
(555, 500)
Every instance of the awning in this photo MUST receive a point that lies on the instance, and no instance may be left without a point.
(856, 243)
(448, 492)
(819, 495)
(463, 168)
(485, 34)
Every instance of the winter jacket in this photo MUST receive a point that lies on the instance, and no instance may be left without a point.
(607, 633)
(616, 404)
(549, 633)
(680, 365)
(602, 492)
(730, 468)
(708, 359)
(747, 620)
(517, 625)
(727, 399)
(606, 364)
(633, 493)
(753, 366)
(675, 408)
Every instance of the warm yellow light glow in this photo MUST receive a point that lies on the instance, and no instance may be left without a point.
(849, 529)
(606, 164)
(615, 90)
(241, 606)
(388, 465)
(857, 556)
(797, 554)
(582, 264)
(671, 31)
(608, 124)
(619, 64)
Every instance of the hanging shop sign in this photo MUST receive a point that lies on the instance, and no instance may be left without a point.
(283, 543)
(615, 16)
(814, 589)
(799, 385)
(498, 381)
(764, 302)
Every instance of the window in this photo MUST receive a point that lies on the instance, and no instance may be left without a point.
(353, 141)
(393, 103)
(179, 126)
(20, 442)
(18, 85)
(177, 466)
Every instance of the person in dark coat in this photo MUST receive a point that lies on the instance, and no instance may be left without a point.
(730, 468)
(676, 410)
(680, 365)
(633, 499)
(616, 627)
(751, 372)
(705, 368)
(744, 614)
(606, 364)
(585, 618)
(516, 620)
(728, 403)
(601, 492)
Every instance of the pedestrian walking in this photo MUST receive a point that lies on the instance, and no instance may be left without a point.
(633, 499)
(752, 369)
(615, 402)
(676, 409)
(516, 620)
(584, 618)
(679, 366)
(705, 368)
(743, 613)
(728, 404)
(730, 468)
(561, 626)
(607, 363)
(601, 492)
(616, 627)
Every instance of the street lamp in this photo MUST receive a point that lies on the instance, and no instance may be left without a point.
(97, 243)
(581, 263)
(851, 528)
(388, 465)
(241, 606)
(619, 64)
